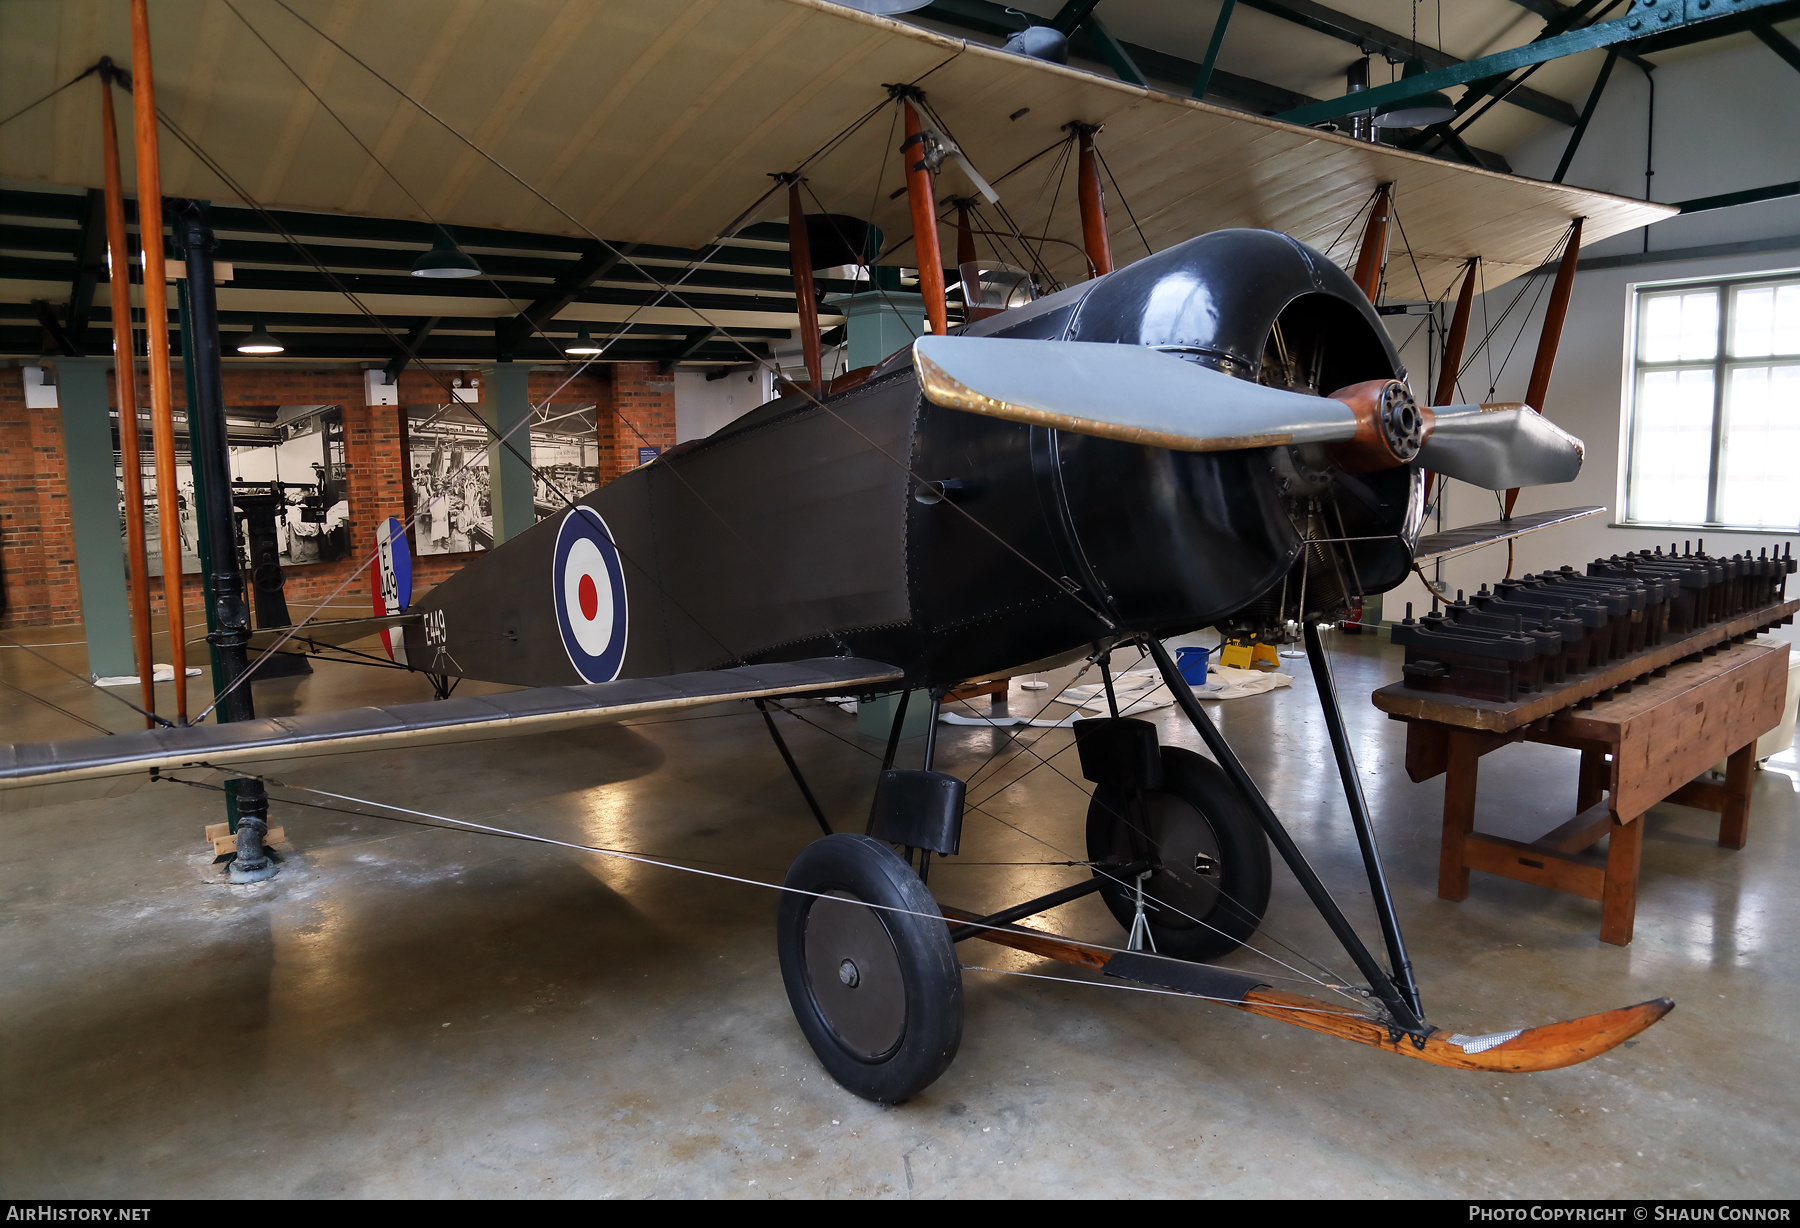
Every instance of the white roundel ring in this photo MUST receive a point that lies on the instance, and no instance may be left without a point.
(588, 584)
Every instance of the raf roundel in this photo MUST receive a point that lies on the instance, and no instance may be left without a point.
(589, 587)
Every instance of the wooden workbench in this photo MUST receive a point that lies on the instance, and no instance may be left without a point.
(1646, 728)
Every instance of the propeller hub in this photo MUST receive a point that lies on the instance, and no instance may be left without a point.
(1390, 426)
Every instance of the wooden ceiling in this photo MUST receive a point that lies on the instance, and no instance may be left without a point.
(661, 122)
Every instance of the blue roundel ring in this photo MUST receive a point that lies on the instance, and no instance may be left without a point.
(588, 586)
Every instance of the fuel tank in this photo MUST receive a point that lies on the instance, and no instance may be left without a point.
(947, 543)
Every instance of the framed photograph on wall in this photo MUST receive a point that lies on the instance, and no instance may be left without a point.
(448, 456)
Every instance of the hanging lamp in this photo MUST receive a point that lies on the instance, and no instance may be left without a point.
(582, 347)
(259, 341)
(445, 259)
(1420, 111)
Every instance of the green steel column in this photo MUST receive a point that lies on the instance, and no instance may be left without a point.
(877, 323)
(505, 406)
(94, 514)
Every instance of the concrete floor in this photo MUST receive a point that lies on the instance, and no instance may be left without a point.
(417, 1012)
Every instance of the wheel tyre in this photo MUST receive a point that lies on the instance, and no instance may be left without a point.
(1197, 813)
(878, 994)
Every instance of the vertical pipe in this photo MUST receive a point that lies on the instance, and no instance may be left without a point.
(125, 369)
(1093, 202)
(1383, 900)
(1554, 314)
(806, 301)
(1453, 350)
(1371, 255)
(156, 327)
(212, 467)
(924, 220)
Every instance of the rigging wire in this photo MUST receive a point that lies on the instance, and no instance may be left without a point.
(1148, 250)
(19, 690)
(427, 818)
(85, 681)
(1056, 585)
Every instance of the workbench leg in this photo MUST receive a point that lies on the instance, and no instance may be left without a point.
(1734, 820)
(1618, 897)
(1596, 774)
(1459, 814)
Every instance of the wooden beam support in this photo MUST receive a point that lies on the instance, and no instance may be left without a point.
(1454, 342)
(1092, 195)
(806, 300)
(924, 218)
(1555, 313)
(156, 316)
(1371, 253)
(125, 378)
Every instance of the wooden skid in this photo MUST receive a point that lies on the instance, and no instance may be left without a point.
(1550, 1047)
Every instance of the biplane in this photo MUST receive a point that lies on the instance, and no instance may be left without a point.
(1219, 432)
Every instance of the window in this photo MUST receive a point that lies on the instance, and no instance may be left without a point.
(1715, 405)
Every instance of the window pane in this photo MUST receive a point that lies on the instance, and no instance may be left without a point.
(1760, 470)
(1766, 321)
(1673, 449)
(1680, 327)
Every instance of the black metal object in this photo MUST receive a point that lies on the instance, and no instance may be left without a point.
(918, 810)
(793, 768)
(893, 742)
(1399, 962)
(1404, 1018)
(1031, 908)
(1119, 752)
(259, 510)
(1204, 980)
(206, 425)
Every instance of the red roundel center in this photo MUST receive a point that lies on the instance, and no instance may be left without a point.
(590, 598)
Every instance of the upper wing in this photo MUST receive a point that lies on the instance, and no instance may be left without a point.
(541, 709)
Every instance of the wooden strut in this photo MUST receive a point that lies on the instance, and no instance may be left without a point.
(1554, 315)
(806, 301)
(924, 219)
(1093, 202)
(125, 379)
(1550, 1047)
(1454, 342)
(156, 327)
(1371, 254)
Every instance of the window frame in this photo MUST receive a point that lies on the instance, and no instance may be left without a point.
(1726, 291)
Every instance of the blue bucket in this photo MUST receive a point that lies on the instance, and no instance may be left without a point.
(1192, 664)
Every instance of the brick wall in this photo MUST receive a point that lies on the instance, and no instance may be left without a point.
(643, 415)
(637, 407)
(37, 544)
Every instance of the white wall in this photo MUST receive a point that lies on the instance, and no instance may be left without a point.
(1725, 121)
(702, 406)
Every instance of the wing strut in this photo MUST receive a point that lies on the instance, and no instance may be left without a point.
(1406, 1019)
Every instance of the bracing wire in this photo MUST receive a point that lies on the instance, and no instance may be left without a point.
(1055, 584)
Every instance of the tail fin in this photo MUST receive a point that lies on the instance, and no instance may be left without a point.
(390, 582)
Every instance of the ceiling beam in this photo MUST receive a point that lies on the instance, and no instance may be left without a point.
(1549, 10)
(1773, 40)
(395, 365)
(90, 256)
(686, 349)
(595, 264)
(1678, 29)
(1375, 40)
(51, 329)
(373, 349)
(1114, 52)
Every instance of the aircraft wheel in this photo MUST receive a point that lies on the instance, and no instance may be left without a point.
(878, 994)
(1211, 858)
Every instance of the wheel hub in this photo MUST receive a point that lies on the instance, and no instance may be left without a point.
(855, 975)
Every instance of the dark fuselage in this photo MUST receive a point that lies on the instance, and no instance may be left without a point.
(950, 544)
